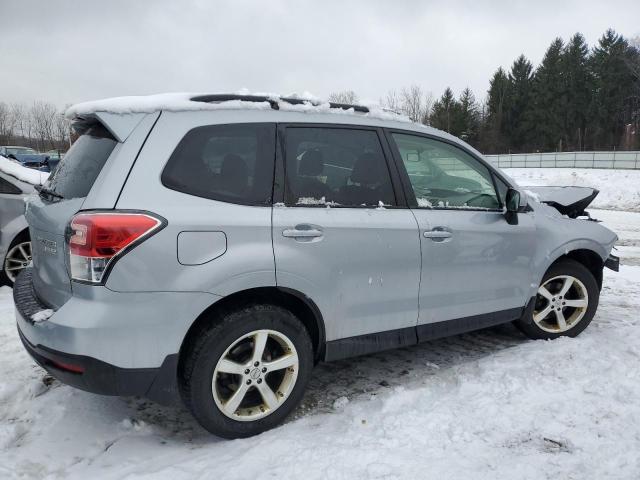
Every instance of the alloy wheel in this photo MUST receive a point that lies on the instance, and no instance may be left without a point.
(17, 259)
(255, 375)
(561, 303)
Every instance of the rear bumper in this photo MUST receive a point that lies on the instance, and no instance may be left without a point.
(107, 342)
(92, 375)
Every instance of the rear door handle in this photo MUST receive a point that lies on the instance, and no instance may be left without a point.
(300, 232)
(437, 234)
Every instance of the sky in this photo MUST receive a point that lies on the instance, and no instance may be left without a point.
(68, 51)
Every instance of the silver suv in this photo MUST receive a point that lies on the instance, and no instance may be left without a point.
(214, 248)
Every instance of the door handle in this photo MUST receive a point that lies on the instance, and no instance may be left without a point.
(437, 234)
(298, 232)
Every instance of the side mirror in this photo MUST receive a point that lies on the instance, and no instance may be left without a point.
(513, 200)
(512, 206)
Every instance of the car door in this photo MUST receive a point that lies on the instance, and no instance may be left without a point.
(475, 264)
(343, 238)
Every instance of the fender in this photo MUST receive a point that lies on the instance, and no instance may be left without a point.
(543, 264)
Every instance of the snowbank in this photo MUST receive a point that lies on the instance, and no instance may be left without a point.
(16, 170)
(182, 102)
(619, 189)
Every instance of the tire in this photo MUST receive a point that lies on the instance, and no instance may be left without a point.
(229, 342)
(576, 307)
(22, 238)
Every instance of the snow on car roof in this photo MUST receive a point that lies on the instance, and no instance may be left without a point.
(22, 173)
(184, 101)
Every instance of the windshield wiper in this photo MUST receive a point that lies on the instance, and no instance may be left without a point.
(45, 191)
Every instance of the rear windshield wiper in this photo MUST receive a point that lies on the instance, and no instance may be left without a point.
(45, 191)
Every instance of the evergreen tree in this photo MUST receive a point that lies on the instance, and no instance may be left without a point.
(445, 113)
(519, 126)
(614, 85)
(548, 101)
(579, 85)
(469, 116)
(495, 135)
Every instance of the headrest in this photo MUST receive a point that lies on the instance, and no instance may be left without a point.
(311, 164)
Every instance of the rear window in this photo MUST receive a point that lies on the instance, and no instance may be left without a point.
(77, 171)
(230, 163)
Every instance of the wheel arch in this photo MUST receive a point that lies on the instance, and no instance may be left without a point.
(586, 257)
(293, 300)
(24, 233)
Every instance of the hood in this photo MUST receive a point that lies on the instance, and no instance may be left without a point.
(569, 201)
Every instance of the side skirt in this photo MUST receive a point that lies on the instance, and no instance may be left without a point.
(402, 337)
(432, 331)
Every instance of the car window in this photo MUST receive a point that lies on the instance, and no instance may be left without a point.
(230, 163)
(77, 171)
(336, 166)
(8, 187)
(503, 188)
(444, 176)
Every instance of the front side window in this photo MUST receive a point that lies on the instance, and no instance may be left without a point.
(444, 176)
(230, 163)
(336, 166)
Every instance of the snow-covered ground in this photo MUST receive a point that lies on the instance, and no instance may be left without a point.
(485, 405)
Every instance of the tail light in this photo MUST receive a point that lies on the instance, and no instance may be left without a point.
(97, 239)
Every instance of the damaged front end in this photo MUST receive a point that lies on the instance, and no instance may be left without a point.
(569, 201)
(572, 203)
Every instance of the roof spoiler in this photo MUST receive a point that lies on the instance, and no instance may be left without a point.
(119, 125)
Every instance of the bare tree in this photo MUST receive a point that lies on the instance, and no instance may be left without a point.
(345, 96)
(6, 123)
(21, 121)
(43, 115)
(391, 101)
(427, 108)
(412, 102)
(62, 127)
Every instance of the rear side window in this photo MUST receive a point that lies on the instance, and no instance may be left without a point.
(77, 171)
(230, 163)
(8, 187)
(341, 167)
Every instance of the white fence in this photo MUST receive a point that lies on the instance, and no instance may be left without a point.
(617, 160)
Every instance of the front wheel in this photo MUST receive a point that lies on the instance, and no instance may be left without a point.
(565, 303)
(247, 371)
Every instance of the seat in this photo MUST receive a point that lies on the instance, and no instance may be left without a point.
(307, 183)
(234, 175)
(366, 187)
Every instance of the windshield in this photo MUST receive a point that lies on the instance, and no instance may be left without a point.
(21, 151)
(77, 171)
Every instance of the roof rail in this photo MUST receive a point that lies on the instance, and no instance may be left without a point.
(273, 101)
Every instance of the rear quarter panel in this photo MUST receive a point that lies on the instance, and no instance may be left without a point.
(248, 261)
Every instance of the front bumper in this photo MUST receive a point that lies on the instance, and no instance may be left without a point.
(613, 263)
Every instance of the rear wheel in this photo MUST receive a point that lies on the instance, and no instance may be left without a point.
(565, 303)
(246, 372)
(17, 259)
